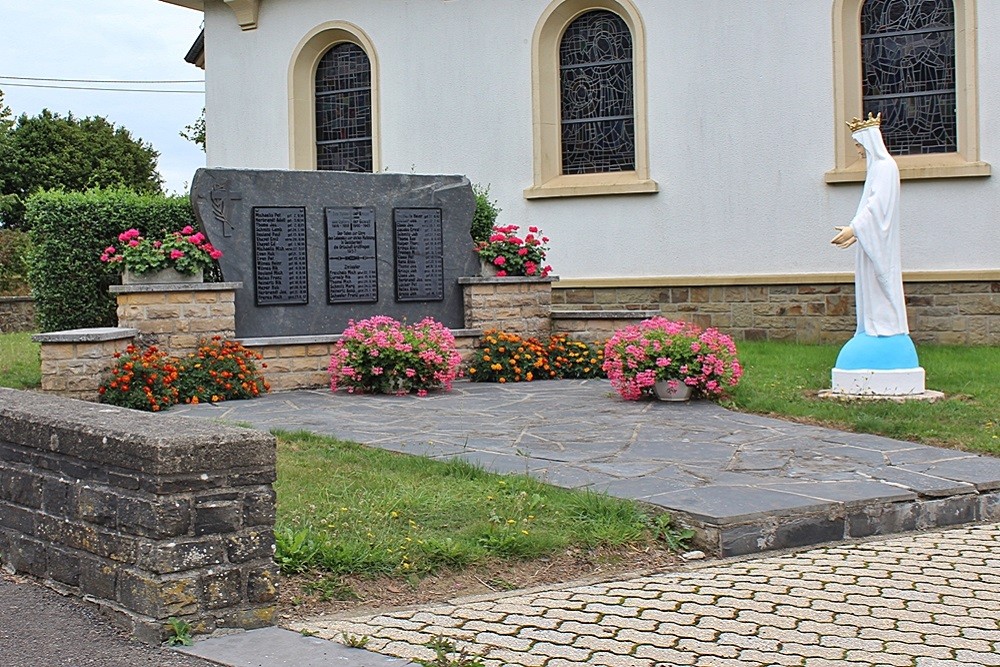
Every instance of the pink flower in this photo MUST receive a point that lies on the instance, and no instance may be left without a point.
(176, 254)
(499, 260)
(187, 230)
(501, 274)
(196, 238)
(215, 254)
(522, 251)
(110, 250)
(533, 230)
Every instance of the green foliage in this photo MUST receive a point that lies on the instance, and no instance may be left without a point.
(444, 647)
(14, 248)
(195, 132)
(485, 215)
(678, 539)
(20, 365)
(181, 632)
(354, 641)
(50, 151)
(69, 231)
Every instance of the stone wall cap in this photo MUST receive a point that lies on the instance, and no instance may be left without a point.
(150, 443)
(604, 314)
(16, 298)
(481, 280)
(320, 339)
(94, 335)
(175, 287)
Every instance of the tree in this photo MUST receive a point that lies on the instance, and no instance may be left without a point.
(49, 151)
(195, 132)
(7, 202)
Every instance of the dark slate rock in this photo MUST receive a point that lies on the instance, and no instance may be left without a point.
(315, 249)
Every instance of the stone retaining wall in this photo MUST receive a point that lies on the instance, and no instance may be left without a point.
(148, 516)
(949, 313)
(17, 314)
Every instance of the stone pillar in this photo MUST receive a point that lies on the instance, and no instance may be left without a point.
(148, 516)
(74, 362)
(177, 316)
(512, 304)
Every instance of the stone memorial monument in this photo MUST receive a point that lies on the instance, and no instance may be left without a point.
(316, 249)
(880, 360)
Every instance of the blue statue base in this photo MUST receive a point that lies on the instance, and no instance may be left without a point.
(878, 353)
(878, 366)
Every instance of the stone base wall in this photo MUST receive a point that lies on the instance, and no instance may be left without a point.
(17, 314)
(148, 516)
(514, 305)
(177, 317)
(950, 313)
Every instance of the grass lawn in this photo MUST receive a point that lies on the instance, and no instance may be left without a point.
(20, 367)
(782, 379)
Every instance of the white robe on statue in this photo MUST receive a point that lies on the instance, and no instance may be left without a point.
(878, 276)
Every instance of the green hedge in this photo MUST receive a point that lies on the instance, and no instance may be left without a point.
(69, 230)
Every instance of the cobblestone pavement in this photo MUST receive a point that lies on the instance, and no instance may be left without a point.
(918, 600)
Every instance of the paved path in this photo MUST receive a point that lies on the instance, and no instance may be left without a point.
(918, 600)
(746, 483)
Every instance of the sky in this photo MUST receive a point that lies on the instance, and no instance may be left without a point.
(121, 40)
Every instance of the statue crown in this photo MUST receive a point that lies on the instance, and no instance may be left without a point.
(860, 124)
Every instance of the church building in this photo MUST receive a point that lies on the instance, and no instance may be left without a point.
(689, 158)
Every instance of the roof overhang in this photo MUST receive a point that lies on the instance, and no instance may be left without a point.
(246, 10)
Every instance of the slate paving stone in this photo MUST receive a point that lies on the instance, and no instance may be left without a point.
(717, 467)
(846, 492)
(984, 473)
(726, 505)
(919, 482)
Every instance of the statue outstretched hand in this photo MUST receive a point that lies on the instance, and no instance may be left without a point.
(845, 237)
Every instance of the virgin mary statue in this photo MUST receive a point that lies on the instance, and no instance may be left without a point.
(880, 358)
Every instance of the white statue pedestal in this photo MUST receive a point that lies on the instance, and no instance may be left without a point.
(897, 382)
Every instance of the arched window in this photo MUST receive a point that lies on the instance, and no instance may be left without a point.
(344, 109)
(589, 100)
(598, 118)
(914, 61)
(333, 100)
(908, 60)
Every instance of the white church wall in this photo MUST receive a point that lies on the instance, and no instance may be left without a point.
(740, 131)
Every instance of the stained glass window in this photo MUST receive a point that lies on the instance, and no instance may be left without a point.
(598, 121)
(344, 109)
(908, 56)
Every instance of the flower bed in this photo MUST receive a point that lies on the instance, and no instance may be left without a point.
(636, 357)
(149, 379)
(506, 357)
(381, 355)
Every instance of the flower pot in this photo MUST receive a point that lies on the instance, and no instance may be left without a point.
(487, 269)
(161, 277)
(679, 391)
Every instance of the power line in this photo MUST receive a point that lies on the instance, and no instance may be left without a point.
(115, 90)
(36, 78)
